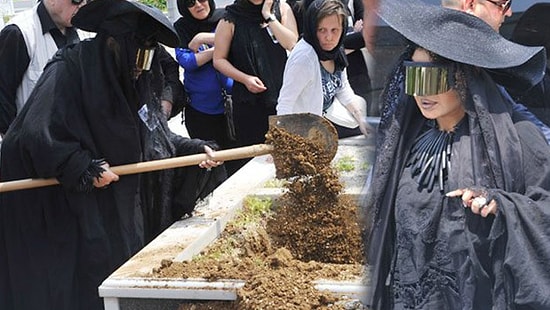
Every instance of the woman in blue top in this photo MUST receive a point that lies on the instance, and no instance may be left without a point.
(204, 117)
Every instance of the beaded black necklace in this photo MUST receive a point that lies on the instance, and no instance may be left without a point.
(430, 156)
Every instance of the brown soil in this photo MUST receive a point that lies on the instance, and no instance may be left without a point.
(311, 233)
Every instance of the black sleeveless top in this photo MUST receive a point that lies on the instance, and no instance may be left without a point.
(255, 52)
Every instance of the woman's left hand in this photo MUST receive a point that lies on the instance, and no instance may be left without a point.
(365, 127)
(210, 162)
(477, 200)
(266, 8)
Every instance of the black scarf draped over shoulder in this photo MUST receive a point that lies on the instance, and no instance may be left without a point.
(310, 36)
(504, 153)
(188, 26)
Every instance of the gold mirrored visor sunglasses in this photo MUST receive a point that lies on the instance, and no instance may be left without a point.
(427, 78)
(144, 58)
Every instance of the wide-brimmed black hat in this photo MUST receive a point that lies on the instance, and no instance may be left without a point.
(533, 27)
(463, 38)
(95, 15)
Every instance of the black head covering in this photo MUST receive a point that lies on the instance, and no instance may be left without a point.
(246, 11)
(188, 26)
(120, 16)
(533, 27)
(464, 38)
(311, 21)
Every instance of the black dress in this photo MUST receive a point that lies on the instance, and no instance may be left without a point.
(254, 52)
(432, 246)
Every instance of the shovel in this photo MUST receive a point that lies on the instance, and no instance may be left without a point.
(314, 128)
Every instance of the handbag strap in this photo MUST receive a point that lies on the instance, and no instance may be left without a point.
(222, 85)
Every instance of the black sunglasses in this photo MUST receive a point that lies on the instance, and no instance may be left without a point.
(191, 3)
(504, 5)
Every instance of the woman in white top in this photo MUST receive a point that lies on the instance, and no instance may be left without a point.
(315, 72)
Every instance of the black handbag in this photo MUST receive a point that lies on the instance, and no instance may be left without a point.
(228, 113)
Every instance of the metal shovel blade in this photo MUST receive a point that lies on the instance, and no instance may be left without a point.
(312, 127)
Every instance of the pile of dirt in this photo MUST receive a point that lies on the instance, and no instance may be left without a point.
(311, 233)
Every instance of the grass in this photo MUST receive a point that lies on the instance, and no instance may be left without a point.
(275, 183)
(254, 209)
(345, 164)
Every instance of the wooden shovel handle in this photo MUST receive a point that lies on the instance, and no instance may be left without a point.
(154, 165)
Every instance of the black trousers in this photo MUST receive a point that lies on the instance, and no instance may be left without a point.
(206, 127)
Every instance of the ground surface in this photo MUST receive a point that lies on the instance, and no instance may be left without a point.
(310, 233)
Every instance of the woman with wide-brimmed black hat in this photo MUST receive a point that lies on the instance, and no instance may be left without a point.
(96, 105)
(461, 183)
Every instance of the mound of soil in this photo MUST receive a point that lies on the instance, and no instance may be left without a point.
(311, 233)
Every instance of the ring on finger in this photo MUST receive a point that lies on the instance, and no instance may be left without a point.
(481, 202)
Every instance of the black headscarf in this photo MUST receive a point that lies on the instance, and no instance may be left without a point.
(311, 21)
(244, 10)
(188, 26)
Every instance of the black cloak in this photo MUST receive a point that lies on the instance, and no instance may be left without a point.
(58, 243)
(84, 107)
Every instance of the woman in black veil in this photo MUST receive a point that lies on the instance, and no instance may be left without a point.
(458, 204)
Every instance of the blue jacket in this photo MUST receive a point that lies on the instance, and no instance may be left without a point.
(203, 84)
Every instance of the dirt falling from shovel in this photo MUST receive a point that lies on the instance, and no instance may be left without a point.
(312, 234)
(313, 221)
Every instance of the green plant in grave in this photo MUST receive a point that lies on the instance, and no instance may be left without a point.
(253, 209)
(159, 4)
(345, 164)
(275, 183)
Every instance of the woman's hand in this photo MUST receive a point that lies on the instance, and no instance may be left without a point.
(358, 26)
(210, 162)
(365, 128)
(477, 200)
(266, 8)
(106, 177)
(199, 39)
(166, 108)
(254, 84)
(358, 109)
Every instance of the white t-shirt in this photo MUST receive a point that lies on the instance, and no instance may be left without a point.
(302, 84)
